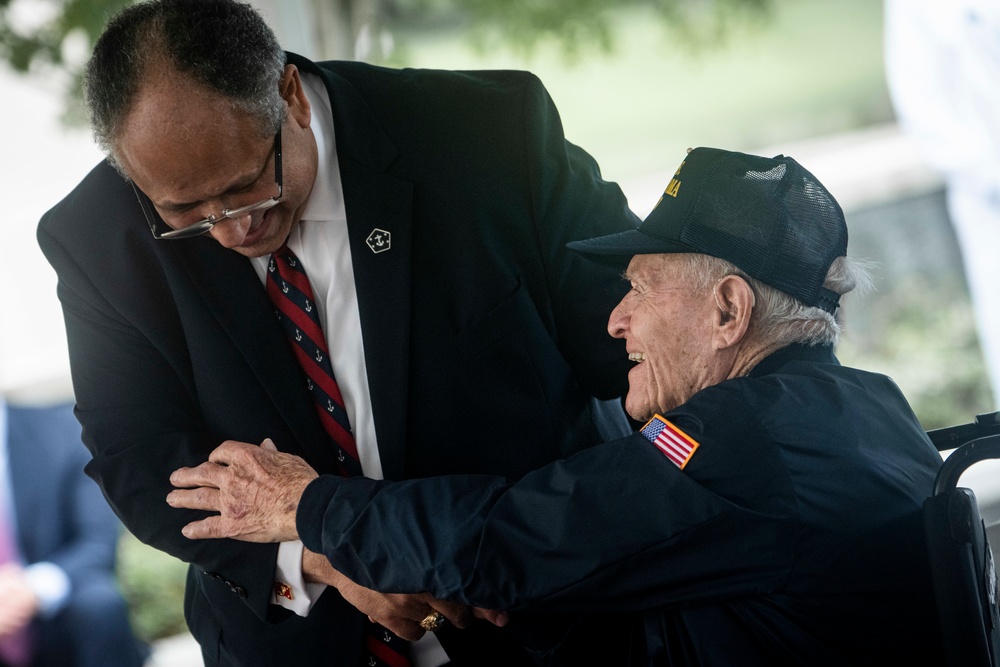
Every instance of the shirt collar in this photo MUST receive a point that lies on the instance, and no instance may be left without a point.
(326, 201)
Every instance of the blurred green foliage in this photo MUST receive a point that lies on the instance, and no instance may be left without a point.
(34, 33)
(811, 68)
(922, 334)
(579, 25)
(580, 28)
(23, 46)
(153, 585)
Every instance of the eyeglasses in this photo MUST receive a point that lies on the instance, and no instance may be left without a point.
(205, 226)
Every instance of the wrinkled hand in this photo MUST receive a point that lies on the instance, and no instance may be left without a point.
(400, 613)
(20, 604)
(256, 491)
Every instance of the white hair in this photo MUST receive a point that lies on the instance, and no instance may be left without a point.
(779, 319)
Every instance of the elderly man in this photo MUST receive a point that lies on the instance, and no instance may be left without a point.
(769, 511)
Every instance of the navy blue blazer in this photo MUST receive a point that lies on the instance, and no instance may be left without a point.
(62, 516)
(485, 338)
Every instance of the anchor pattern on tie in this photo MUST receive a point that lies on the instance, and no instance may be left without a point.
(289, 290)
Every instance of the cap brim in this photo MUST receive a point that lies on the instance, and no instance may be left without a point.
(627, 244)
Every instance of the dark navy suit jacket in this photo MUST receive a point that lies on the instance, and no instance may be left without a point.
(484, 337)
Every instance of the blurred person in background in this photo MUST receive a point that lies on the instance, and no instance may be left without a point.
(769, 513)
(943, 68)
(60, 605)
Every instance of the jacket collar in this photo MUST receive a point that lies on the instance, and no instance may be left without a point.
(820, 354)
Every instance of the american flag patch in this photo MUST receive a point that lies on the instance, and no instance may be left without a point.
(675, 444)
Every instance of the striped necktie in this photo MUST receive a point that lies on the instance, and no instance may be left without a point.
(289, 290)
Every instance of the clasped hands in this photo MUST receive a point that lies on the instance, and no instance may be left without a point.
(256, 492)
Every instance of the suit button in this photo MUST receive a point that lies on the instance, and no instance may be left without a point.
(239, 590)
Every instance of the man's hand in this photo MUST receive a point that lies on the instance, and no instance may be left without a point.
(398, 612)
(20, 604)
(256, 491)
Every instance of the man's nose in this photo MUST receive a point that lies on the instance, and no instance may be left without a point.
(231, 232)
(618, 320)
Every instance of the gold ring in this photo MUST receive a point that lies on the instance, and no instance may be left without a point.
(433, 621)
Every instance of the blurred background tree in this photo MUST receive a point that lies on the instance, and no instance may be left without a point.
(44, 34)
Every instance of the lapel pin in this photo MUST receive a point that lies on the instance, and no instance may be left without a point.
(379, 240)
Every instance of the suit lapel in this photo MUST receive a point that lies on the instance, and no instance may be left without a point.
(378, 218)
(379, 221)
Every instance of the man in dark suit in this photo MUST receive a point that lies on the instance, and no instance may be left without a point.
(64, 586)
(430, 211)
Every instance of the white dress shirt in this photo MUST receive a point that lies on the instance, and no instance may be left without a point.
(320, 241)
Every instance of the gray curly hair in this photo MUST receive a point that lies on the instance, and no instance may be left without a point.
(779, 319)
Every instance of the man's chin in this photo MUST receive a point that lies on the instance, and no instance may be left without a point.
(640, 413)
(261, 249)
(264, 241)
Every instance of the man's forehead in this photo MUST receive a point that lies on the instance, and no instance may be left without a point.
(653, 265)
(179, 106)
(165, 143)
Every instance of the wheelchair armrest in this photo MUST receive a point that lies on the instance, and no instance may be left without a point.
(951, 437)
(972, 452)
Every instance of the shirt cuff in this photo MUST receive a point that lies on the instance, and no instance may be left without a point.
(51, 585)
(291, 590)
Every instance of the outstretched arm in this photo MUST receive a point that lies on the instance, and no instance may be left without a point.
(256, 491)
(614, 528)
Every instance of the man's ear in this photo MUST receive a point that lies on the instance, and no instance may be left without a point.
(735, 301)
(295, 95)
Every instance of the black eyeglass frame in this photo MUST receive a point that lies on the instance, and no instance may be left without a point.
(206, 225)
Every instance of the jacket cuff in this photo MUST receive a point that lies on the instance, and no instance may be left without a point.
(312, 508)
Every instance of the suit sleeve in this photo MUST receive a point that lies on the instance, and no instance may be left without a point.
(614, 528)
(571, 201)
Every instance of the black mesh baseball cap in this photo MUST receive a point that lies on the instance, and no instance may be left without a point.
(767, 216)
